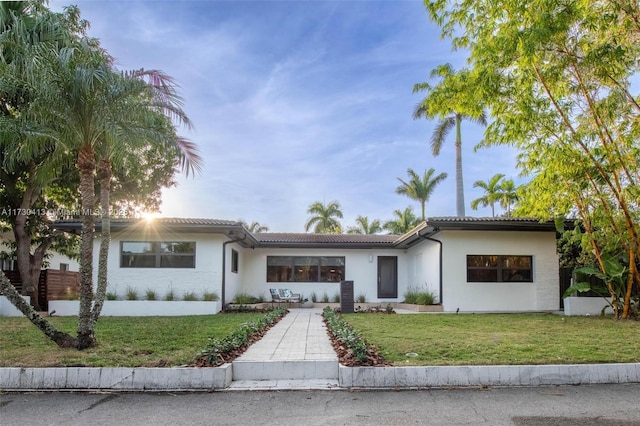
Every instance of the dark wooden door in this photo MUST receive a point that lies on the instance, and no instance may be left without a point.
(387, 276)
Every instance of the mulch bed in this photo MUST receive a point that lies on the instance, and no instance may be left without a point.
(346, 358)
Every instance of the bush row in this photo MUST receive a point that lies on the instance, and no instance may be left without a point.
(215, 353)
(345, 334)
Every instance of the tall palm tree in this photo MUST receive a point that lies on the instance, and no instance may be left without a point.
(448, 120)
(324, 219)
(364, 227)
(492, 193)
(508, 195)
(405, 220)
(420, 188)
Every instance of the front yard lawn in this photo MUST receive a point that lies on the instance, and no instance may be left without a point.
(122, 341)
(483, 339)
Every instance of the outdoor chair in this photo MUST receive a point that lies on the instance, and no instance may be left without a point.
(283, 296)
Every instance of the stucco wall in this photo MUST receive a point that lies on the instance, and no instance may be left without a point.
(361, 267)
(540, 295)
(206, 276)
(423, 267)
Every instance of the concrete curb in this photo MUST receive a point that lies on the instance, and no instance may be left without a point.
(490, 375)
(176, 379)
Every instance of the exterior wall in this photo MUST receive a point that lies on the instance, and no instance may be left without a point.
(233, 280)
(53, 261)
(423, 267)
(361, 267)
(206, 276)
(540, 295)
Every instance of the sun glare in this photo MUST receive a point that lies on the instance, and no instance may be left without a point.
(149, 216)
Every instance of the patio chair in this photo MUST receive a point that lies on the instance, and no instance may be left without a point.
(287, 295)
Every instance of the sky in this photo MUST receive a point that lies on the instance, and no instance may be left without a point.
(298, 101)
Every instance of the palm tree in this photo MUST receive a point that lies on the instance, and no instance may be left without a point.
(405, 220)
(254, 227)
(508, 195)
(324, 219)
(420, 189)
(364, 227)
(448, 120)
(492, 193)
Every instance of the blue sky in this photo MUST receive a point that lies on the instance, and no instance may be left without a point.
(297, 101)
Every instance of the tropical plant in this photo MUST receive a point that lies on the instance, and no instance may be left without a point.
(254, 227)
(150, 294)
(324, 219)
(405, 220)
(364, 227)
(420, 188)
(131, 294)
(508, 195)
(450, 111)
(170, 296)
(210, 296)
(189, 296)
(492, 193)
(561, 91)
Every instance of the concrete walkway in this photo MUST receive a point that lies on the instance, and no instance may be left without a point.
(294, 354)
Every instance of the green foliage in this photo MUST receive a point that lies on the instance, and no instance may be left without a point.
(218, 348)
(171, 295)
(325, 298)
(418, 296)
(246, 299)
(150, 294)
(420, 188)
(336, 298)
(314, 297)
(190, 296)
(324, 219)
(131, 294)
(404, 221)
(364, 227)
(361, 298)
(111, 296)
(210, 296)
(345, 334)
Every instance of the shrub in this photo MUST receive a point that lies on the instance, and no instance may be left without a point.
(151, 294)
(314, 298)
(239, 338)
(417, 296)
(170, 296)
(131, 294)
(361, 298)
(111, 296)
(210, 296)
(336, 298)
(245, 299)
(189, 296)
(325, 298)
(346, 335)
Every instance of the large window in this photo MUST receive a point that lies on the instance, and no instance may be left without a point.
(495, 268)
(156, 254)
(305, 269)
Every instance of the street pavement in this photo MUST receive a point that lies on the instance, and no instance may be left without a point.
(610, 405)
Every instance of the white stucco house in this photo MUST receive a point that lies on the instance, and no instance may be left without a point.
(470, 264)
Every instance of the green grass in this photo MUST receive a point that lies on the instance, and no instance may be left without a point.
(122, 341)
(484, 339)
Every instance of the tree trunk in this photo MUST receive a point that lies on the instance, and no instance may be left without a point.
(86, 165)
(104, 177)
(632, 274)
(61, 339)
(459, 181)
(27, 266)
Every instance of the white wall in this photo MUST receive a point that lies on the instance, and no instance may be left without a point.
(358, 268)
(206, 276)
(423, 267)
(54, 260)
(540, 295)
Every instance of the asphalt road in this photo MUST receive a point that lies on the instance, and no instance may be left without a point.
(609, 405)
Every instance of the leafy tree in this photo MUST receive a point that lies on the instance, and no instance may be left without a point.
(558, 85)
(492, 192)
(404, 221)
(364, 227)
(420, 188)
(449, 103)
(254, 227)
(324, 219)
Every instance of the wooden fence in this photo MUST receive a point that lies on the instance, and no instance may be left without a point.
(52, 285)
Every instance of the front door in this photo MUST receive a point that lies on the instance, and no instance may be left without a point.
(387, 277)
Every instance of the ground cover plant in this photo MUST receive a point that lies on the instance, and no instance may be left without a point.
(123, 341)
(484, 339)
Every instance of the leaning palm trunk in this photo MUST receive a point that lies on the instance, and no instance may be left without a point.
(86, 165)
(104, 176)
(63, 340)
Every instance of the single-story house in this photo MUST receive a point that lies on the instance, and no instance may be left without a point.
(470, 264)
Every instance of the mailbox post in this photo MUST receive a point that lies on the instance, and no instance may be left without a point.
(346, 297)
